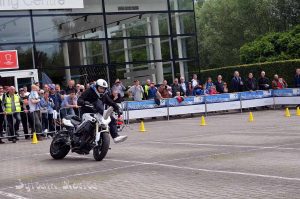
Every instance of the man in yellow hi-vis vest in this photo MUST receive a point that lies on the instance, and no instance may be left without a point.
(12, 109)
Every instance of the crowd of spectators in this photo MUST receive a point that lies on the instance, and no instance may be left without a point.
(195, 87)
(40, 109)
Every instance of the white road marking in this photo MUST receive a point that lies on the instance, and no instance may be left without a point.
(224, 145)
(11, 195)
(211, 171)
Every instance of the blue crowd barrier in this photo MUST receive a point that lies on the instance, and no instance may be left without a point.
(259, 98)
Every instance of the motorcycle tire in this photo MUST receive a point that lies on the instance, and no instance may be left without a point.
(101, 150)
(58, 148)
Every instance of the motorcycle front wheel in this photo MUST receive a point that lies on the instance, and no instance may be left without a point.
(101, 150)
(58, 148)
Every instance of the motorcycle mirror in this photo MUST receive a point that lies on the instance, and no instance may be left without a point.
(108, 113)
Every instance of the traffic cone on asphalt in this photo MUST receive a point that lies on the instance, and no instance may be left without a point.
(142, 127)
(287, 112)
(203, 123)
(251, 118)
(298, 111)
(34, 139)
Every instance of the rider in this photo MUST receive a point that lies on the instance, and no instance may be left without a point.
(97, 95)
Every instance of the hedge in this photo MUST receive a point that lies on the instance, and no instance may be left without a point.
(285, 69)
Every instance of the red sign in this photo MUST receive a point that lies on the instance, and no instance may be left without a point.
(9, 59)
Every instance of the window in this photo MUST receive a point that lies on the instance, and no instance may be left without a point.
(15, 29)
(55, 28)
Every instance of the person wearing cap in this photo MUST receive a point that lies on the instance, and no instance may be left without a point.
(12, 104)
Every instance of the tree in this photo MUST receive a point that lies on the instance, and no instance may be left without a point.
(272, 47)
(226, 25)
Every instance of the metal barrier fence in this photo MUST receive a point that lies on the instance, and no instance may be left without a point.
(42, 123)
(210, 103)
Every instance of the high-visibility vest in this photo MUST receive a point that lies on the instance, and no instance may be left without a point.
(8, 104)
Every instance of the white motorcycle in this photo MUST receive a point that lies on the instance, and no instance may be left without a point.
(83, 135)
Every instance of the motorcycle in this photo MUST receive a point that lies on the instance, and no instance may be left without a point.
(83, 135)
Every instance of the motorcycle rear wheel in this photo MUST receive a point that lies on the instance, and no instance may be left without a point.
(101, 150)
(58, 148)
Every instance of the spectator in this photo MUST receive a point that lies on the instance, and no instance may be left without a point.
(190, 89)
(56, 98)
(34, 108)
(179, 97)
(116, 96)
(24, 112)
(146, 88)
(164, 90)
(225, 87)
(80, 91)
(58, 90)
(237, 83)
(41, 93)
(119, 87)
(297, 78)
(176, 88)
(77, 88)
(263, 81)
(152, 91)
(198, 90)
(47, 106)
(12, 104)
(69, 103)
(208, 84)
(46, 88)
(195, 81)
(1, 113)
(137, 91)
(38, 85)
(278, 83)
(184, 86)
(220, 84)
(250, 83)
(213, 90)
(26, 91)
(70, 87)
(282, 83)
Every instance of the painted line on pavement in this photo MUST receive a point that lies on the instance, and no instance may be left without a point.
(11, 195)
(212, 171)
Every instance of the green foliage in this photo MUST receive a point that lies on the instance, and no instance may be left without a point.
(285, 69)
(272, 47)
(226, 25)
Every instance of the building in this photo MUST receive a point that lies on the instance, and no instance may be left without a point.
(86, 40)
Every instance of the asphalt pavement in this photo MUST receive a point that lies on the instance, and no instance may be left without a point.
(228, 158)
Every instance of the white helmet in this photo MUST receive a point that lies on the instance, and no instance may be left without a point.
(102, 83)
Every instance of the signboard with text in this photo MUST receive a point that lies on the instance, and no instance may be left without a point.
(9, 59)
(40, 4)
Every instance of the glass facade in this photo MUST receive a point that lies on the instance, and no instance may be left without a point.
(125, 39)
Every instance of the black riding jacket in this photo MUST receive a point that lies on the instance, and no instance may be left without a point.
(91, 96)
